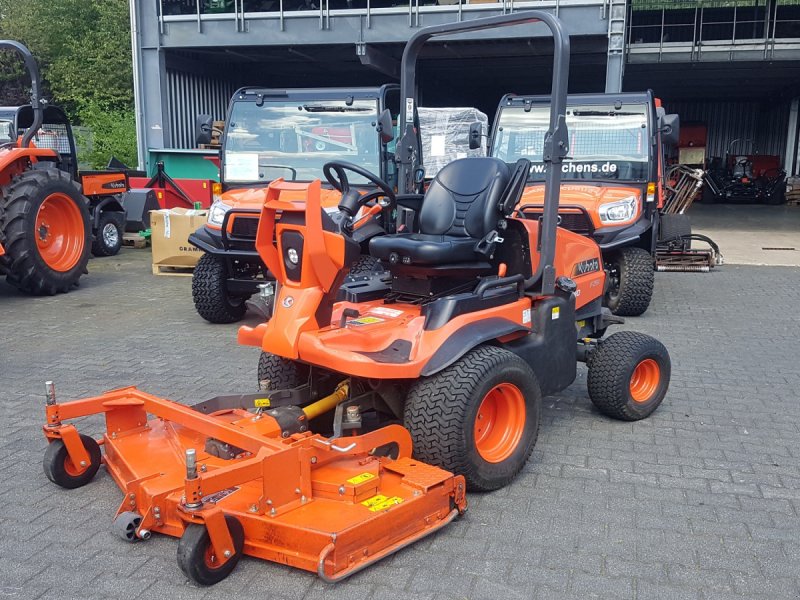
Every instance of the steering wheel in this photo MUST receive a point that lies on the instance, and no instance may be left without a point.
(335, 172)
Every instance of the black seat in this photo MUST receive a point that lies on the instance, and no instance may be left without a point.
(460, 209)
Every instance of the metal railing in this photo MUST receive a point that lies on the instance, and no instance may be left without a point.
(239, 12)
(709, 24)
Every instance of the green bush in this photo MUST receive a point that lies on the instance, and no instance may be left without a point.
(113, 134)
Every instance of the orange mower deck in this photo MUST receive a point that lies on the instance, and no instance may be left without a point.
(330, 506)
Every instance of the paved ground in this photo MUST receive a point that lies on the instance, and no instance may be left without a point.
(751, 234)
(701, 501)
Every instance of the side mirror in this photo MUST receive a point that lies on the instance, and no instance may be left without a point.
(203, 126)
(475, 133)
(385, 127)
(669, 126)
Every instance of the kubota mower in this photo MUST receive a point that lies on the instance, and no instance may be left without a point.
(486, 312)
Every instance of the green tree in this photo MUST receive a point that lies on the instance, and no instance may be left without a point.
(83, 48)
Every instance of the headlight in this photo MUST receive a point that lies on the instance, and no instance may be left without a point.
(217, 213)
(616, 212)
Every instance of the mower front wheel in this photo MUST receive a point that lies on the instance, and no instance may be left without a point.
(60, 470)
(628, 375)
(478, 418)
(196, 556)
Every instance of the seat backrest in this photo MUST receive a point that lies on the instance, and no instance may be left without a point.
(462, 200)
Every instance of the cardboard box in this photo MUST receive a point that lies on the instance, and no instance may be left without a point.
(170, 229)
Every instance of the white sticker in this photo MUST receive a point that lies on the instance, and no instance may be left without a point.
(437, 145)
(526, 316)
(166, 225)
(241, 166)
(385, 312)
(555, 313)
(410, 110)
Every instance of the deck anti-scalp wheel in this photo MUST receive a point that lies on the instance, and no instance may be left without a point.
(478, 418)
(125, 526)
(628, 375)
(196, 556)
(59, 468)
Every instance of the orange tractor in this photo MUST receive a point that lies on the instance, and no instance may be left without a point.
(485, 313)
(49, 223)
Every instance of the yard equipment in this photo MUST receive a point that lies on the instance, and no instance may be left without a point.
(745, 178)
(48, 221)
(485, 312)
(259, 144)
(613, 179)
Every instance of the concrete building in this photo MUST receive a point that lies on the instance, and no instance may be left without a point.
(732, 65)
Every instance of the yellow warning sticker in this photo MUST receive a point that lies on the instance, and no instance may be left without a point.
(365, 321)
(262, 402)
(555, 313)
(381, 502)
(360, 478)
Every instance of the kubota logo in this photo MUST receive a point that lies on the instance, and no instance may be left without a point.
(287, 302)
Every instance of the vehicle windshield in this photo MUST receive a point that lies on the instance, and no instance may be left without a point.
(293, 139)
(605, 142)
(6, 131)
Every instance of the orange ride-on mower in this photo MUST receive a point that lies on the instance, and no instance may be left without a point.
(486, 312)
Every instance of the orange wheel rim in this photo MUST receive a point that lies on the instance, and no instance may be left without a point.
(60, 232)
(210, 557)
(70, 468)
(645, 379)
(500, 423)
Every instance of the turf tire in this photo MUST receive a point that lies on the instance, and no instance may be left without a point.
(441, 410)
(100, 247)
(280, 372)
(611, 369)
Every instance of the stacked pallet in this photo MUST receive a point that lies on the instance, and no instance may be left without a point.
(793, 191)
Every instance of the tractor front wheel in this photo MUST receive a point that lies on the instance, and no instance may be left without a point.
(628, 375)
(108, 236)
(210, 292)
(478, 418)
(631, 279)
(45, 229)
(279, 373)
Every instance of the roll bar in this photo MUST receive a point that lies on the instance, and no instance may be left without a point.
(555, 141)
(36, 98)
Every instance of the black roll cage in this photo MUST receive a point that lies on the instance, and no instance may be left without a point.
(556, 139)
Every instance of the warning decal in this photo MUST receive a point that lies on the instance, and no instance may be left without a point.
(381, 502)
(360, 478)
(365, 321)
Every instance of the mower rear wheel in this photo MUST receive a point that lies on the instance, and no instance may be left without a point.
(210, 292)
(44, 221)
(478, 418)
(108, 237)
(628, 375)
(196, 556)
(632, 277)
(59, 468)
(278, 373)
(125, 525)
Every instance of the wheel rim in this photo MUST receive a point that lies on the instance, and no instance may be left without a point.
(59, 232)
(110, 235)
(500, 423)
(210, 557)
(645, 379)
(70, 467)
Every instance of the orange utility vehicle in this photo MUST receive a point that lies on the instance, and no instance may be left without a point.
(473, 329)
(613, 179)
(51, 216)
(287, 133)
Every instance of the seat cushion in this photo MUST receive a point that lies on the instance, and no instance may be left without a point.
(424, 249)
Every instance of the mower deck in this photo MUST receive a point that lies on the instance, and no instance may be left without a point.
(329, 506)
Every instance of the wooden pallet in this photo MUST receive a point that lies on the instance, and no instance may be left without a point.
(179, 270)
(135, 240)
(793, 199)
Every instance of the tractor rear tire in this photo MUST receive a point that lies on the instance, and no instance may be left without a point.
(279, 373)
(628, 375)
(45, 229)
(478, 418)
(108, 237)
(210, 292)
(635, 274)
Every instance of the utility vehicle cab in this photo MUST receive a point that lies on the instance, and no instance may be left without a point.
(288, 134)
(612, 178)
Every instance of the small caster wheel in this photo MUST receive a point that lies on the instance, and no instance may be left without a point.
(196, 556)
(125, 526)
(59, 468)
